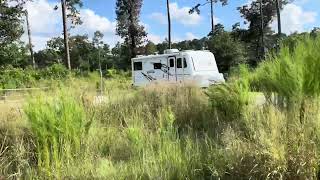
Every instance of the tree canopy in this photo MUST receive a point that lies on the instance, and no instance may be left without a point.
(128, 24)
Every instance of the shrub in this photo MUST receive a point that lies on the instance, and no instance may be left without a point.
(56, 71)
(12, 78)
(230, 101)
(291, 76)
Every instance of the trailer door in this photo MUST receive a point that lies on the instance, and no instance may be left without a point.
(172, 61)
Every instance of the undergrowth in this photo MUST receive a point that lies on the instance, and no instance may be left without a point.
(262, 124)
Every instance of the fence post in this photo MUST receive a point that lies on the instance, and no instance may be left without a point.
(5, 96)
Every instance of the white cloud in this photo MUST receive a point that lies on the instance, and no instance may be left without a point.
(43, 18)
(161, 18)
(294, 19)
(93, 22)
(180, 15)
(38, 41)
(190, 36)
(301, 2)
(175, 38)
(46, 23)
(155, 38)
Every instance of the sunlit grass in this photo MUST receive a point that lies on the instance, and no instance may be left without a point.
(262, 124)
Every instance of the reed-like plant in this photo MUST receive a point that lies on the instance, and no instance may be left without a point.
(59, 125)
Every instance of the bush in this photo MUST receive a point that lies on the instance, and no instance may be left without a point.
(12, 78)
(56, 71)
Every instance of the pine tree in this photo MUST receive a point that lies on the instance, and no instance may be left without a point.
(128, 24)
(74, 15)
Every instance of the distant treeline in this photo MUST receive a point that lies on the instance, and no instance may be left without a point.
(232, 47)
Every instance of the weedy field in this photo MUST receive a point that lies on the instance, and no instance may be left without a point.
(172, 131)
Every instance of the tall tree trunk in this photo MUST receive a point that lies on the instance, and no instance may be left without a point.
(262, 30)
(133, 46)
(30, 40)
(65, 34)
(279, 25)
(132, 30)
(169, 24)
(278, 17)
(212, 18)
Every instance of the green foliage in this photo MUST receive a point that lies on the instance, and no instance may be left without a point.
(14, 54)
(118, 74)
(128, 24)
(11, 78)
(258, 46)
(121, 56)
(59, 126)
(56, 71)
(84, 53)
(231, 100)
(227, 50)
(150, 48)
(47, 57)
(301, 69)
(10, 21)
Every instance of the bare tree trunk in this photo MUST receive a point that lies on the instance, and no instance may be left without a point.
(279, 18)
(132, 29)
(65, 34)
(133, 46)
(212, 18)
(169, 23)
(279, 25)
(262, 30)
(30, 40)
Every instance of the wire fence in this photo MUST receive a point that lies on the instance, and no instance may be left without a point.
(10, 95)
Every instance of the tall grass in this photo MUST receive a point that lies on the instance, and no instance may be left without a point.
(262, 124)
(284, 131)
(60, 126)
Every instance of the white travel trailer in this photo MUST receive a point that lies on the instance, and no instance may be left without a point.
(177, 66)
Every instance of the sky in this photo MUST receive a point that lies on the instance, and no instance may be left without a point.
(300, 16)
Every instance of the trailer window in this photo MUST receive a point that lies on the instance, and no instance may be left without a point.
(171, 62)
(185, 65)
(179, 63)
(157, 66)
(137, 66)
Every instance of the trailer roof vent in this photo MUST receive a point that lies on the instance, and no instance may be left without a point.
(171, 51)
